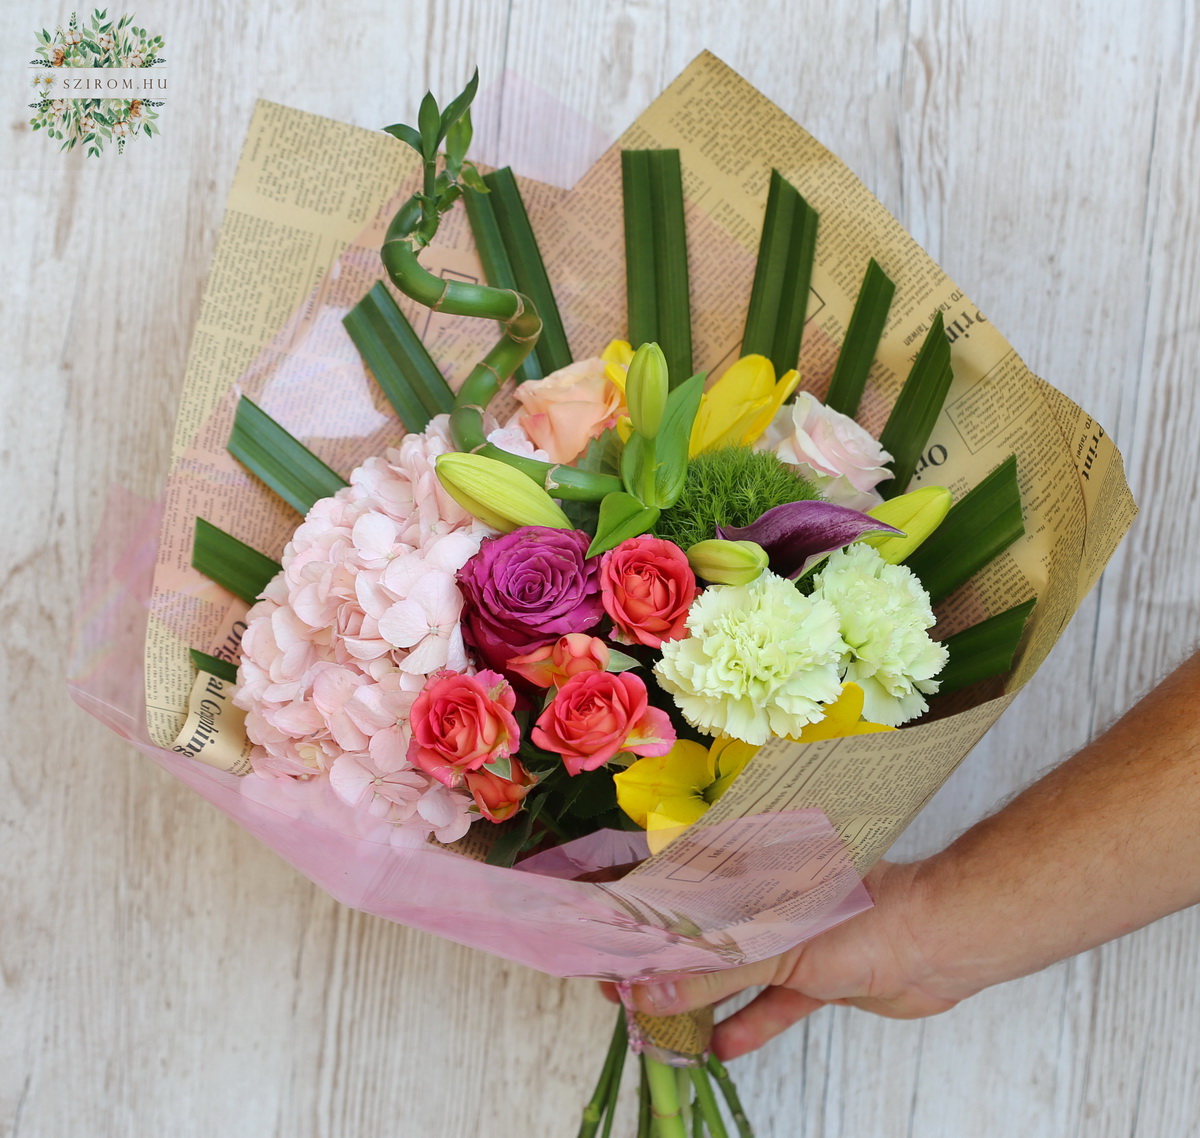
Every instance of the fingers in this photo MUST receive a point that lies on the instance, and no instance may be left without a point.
(685, 993)
(772, 1011)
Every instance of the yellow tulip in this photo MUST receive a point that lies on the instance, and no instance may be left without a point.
(740, 405)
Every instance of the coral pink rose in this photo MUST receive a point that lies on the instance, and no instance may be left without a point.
(595, 715)
(499, 798)
(553, 664)
(569, 408)
(461, 722)
(647, 585)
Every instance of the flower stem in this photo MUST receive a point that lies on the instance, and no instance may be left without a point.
(649, 467)
(664, 1099)
(717, 1070)
(603, 1100)
(643, 1130)
(706, 1103)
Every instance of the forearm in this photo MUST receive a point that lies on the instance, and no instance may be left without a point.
(1104, 844)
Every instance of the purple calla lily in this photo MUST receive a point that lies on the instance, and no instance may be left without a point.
(797, 535)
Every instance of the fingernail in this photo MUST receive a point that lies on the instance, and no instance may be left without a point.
(661, 996)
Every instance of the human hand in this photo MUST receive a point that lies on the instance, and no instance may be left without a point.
(880, 961)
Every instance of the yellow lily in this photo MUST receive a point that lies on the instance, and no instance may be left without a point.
(740, 405)
(618, 356)
(843, 718)
(668, 793)
(665, 795)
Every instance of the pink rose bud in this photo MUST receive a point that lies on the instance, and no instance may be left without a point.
(647, 586)
(459, 723)
(553, 664)
(596, 714)
(499, 798)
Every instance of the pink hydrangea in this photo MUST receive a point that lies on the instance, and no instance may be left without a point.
(342, 641)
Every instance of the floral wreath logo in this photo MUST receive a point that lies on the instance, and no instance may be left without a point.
(92, 122)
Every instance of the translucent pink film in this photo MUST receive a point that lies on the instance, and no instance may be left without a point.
(717, 897)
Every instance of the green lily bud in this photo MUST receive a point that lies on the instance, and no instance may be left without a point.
(727, 562)
(646, 389)
(497, 494)
(918, 513)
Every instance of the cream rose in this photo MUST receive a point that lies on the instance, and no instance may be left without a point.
(841, 458)
(565, 411)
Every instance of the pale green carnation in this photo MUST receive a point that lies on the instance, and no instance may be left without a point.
(884, 613)
(761, 660)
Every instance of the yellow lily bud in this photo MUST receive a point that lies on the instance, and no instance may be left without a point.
(727, 562)
(918, 513)
(497, 494)
(646, 389)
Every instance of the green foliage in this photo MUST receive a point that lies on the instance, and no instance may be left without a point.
(732, 486)
(442, 189)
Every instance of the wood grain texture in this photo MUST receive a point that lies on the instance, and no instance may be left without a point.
(162, 973)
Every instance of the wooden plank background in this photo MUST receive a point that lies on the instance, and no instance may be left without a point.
(161, 973)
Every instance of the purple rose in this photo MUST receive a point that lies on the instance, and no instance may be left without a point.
(528, 588)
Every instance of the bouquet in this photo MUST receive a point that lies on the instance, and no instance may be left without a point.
(599, 662)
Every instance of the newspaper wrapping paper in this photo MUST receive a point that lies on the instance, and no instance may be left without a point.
(299, 247)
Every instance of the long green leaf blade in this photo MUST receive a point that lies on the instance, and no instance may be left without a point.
(398, 360)
(553, 351)
(977, 529)
(641, 288)
(985, 649)
(214, 666)
(793, 301)
(671, 264)
(862, 341)
(920, 402)
(497, 266)
(232, 564)
(770, 269)
(285, 464)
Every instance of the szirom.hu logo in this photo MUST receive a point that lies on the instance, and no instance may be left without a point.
(93, 82)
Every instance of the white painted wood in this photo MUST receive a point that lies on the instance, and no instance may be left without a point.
(161, 973)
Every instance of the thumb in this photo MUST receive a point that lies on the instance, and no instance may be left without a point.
(671, 995)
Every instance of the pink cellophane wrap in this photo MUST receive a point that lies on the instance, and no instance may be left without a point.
(728, 895)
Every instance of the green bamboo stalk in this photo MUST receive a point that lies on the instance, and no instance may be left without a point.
(393, 351)
(497, 265)
(522, 326)
(552, 350)
(862, 341)
(985, 522)
(644, 1116)
(664, 1099)
(708, 1103)
(604, 1096)
(641, 287)
(985, 649)
(232, 564)
(214, 666)
(782, 277)
(920, 402)
(670, 255)
(270, 453)
(719, 1072)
